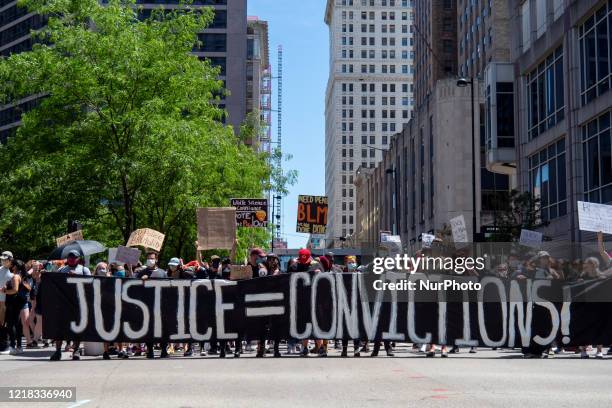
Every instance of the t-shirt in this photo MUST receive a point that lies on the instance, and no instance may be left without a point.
(5, 276)
(151, 273)
(77, 270)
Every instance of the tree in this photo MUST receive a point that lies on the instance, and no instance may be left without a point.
(128, 133)
(523, 211)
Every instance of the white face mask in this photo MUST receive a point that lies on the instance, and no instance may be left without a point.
(151, 262)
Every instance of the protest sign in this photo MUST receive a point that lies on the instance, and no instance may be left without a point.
(312, 214)
(427, 240)
(73, 236)
(240, 272)
(459, 229)
(216, 228)
(112, 255)
(130, 256)
(595, 217)
(146, 238)
(251, 212)
(511, 314)
(531, 238)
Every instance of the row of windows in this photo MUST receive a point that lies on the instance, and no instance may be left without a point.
(384, 69)
(596, 54)
(545, 94)
(372, 3)
(13, 114)
(364, 139)
(369, 127)
(348, 87)
(385, 101)
(597, 159)
(22, 29)
(12, 13)
(548, 180)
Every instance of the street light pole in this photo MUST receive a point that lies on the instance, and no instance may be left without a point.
(395, 199)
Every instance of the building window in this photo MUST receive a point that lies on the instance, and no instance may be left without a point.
(548, 180)
(595, 50)
(545, 94)
(597, 159)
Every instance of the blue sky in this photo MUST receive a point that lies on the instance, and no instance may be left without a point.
(298, 25)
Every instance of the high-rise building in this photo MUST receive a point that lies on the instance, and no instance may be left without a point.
(224, 43)
(259, 81)
(562, 57)
(369, 96)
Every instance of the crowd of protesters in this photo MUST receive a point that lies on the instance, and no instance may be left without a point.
(21, 311)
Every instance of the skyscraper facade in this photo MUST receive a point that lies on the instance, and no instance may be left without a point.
(368, 97)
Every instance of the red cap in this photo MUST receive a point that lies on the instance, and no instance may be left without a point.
(303, 256)
(258, 252)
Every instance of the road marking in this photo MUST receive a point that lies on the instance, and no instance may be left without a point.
(79, 403)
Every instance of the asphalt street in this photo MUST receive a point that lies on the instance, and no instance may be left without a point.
(486, 379)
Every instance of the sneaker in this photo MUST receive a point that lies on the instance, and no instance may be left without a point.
(610, 351)
(304, 352)
(33, 344)
(236, 354)
(45, 344)
(188, 353)
(290, 349)
(13, 351)
(430, 354)
(454, 350)
(75, 356)
(423, 348)
(5, 352)
(105, 356)
(444, 354)
(164, 354)
(56, 356)
(390, 353)
(344, 353)
(599, 355)
(473, 350)
(374, 354)
(277, 354)
(322, 352)
(357, 354)
(584, 354)
(203, 353)
(125, 356)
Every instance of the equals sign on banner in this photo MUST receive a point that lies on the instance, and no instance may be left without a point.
(259, 309)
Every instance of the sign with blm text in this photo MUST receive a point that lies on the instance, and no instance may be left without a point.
(312, 214)
(146, 238)
(459, 229)
(216, 228)
(595, 217)
(73, 236)
(251, 212)
(531, 238)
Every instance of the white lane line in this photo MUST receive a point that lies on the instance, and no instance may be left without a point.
(79, 403)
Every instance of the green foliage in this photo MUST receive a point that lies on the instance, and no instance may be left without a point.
(522, 211)
(127, 135)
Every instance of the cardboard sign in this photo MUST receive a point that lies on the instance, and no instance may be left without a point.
(531, 238)
(240, 272)
(427, 240)
(595, 217)
(130, 256)
(312, 214)
(73, 236)
(146, 238)
(251, 212)
(112, 255)
(459, 229)
(216, 228)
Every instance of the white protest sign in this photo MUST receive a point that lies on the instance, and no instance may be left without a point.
(112, 255)
(531, 238)
(126, 255)
(427, 240)
(595, 217)
(459, 229)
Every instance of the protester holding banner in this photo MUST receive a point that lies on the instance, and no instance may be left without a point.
(151, 271)
(101, 269)
(74, 265)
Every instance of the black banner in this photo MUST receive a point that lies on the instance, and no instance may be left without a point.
(326, 306)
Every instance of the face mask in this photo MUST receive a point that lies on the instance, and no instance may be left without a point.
(72, 262)
(227, 270)
(172, 268)
(48, 267)
(120, 274)
(260, 260)
(151, 263)
(352, 266)
(103, 271)
(215, 264)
